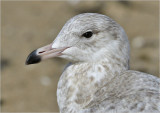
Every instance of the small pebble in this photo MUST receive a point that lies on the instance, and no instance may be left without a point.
(46, 81)
(138, 42)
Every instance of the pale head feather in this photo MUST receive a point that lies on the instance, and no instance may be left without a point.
(108, 40)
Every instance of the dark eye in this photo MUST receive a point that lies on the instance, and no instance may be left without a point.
(88, 34)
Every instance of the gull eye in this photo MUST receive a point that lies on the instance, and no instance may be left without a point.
(87, 34)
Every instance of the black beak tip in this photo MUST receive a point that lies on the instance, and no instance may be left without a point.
(33, 58)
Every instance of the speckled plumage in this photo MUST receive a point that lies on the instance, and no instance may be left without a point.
(99, 79)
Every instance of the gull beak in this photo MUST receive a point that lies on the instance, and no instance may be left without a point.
(43, 53)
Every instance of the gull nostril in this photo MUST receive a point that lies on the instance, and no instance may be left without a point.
(41, 52)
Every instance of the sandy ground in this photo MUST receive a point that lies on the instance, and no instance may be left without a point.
(30, 25)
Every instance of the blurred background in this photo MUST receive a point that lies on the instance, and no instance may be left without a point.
(30, 25)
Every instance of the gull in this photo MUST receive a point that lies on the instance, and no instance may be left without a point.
(99, 79)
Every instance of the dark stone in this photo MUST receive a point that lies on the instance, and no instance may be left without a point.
(1, 102)
(4, 63)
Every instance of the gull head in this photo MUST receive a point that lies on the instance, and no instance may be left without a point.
(88, 37)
